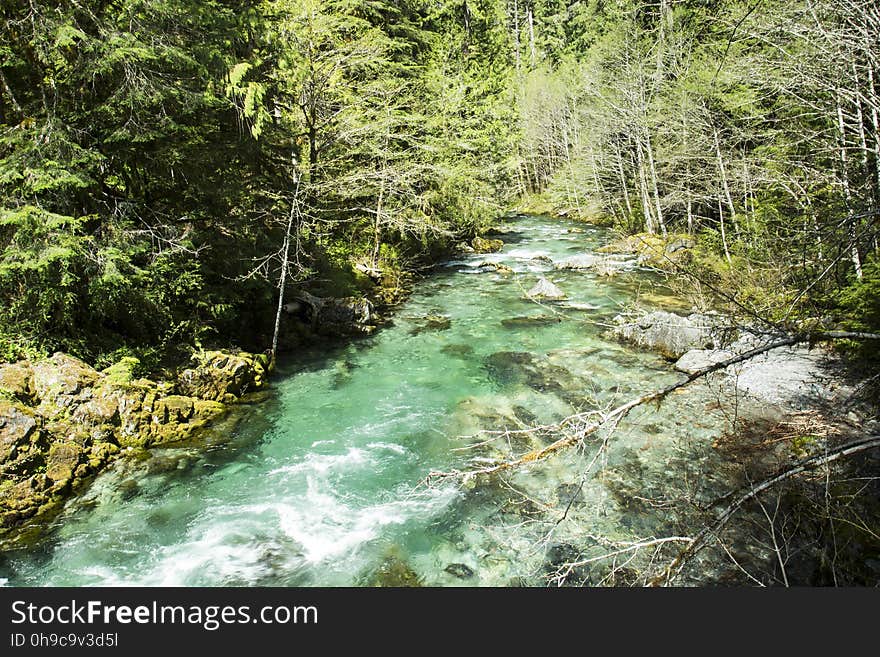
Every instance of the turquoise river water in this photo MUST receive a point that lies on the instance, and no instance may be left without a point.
(324, 483)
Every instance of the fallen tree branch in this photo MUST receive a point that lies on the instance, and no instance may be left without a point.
(572, 438)
(702, 539)
(629, 547)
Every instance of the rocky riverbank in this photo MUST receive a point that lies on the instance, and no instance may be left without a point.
(62, 422)
(784, 379)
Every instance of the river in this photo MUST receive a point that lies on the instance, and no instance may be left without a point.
(324, 483)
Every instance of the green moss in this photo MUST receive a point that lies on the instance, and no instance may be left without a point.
(804, 444)
(393, 572)
(123, 372)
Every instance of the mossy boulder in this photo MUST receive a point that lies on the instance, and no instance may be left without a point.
(122, 372)
(224, 377)
(15, 381)
(658, 251)
(61, 381)
(62, 461)
(17, 426)
(62, 422)
(483, 245)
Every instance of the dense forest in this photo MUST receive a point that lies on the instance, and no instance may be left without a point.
(165, 164)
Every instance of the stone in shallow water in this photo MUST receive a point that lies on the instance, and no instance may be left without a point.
(463, 351)
(432, 323)
(581, 261)
(530, 322)
(545, 289)
(507, 367)
(570, 494)
(395, 572)
(670, 334)
(460, 570)
(481, 245)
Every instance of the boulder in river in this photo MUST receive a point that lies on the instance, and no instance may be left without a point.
(601, 265)
(346, 316)
(699, 359)
(670, 334)
(483, 245)
(459, 570)
(497, 267)
(789, 378)
(222, 376)
(792, 378)
(545, 289)
(581, 261)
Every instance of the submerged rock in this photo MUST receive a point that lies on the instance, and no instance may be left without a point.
(519, 367)
(460, 570)
(394, 572)
(534, 321)
(463, 351)
(545, 289)
(506, 367)
(432, 323)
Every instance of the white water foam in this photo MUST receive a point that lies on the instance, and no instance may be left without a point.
(355, 457)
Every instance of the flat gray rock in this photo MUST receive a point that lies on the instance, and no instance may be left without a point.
(699, 359)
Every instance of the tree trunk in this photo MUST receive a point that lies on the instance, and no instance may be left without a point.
(377, 226)
(723, 232)
(532, 56)
(516, 34)
(623, 186)
(643, 189)
(875, 125)
(654, 184)
(313, 153)
(847, 191)
(282, 279)
(722, 171)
